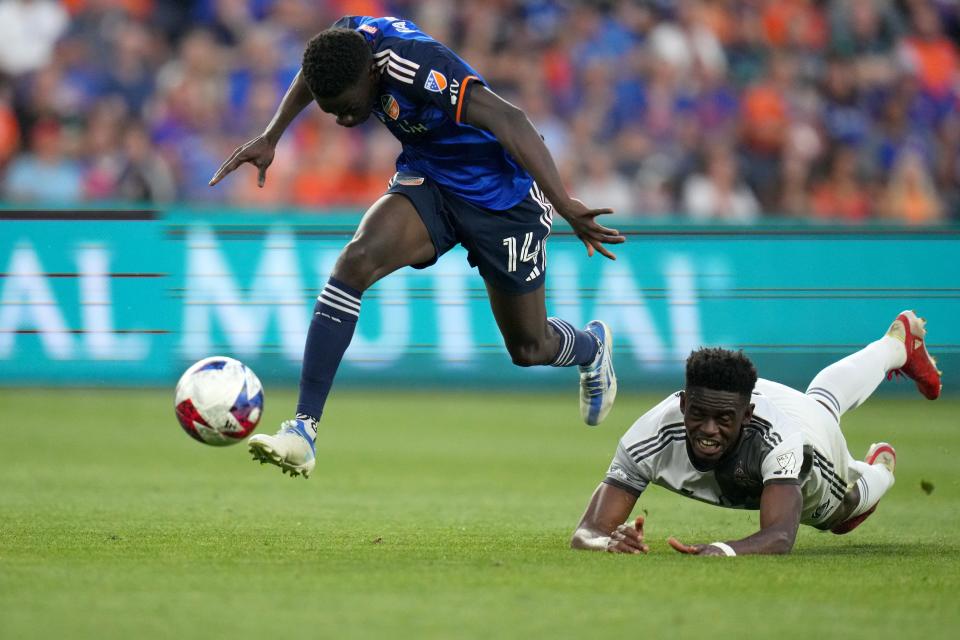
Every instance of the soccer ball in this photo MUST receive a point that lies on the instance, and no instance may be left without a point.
(219, 401)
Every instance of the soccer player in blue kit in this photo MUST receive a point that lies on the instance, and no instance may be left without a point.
(473, 171)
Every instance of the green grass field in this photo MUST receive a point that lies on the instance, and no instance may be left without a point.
(433, 516)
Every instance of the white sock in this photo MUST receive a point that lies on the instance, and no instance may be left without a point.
(844, 385)
(875, 480)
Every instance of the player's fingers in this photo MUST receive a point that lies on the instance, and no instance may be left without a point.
(595, 226)
(679, 546)
(603, 250)
(232, 163)
(638, 524)
(624, 546)
(261, 176)
(608, 239)
(599, 212)
(628, 532)
(589, 246)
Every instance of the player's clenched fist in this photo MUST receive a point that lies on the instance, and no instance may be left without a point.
(628, 538)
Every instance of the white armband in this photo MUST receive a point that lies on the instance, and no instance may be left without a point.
(723, 546)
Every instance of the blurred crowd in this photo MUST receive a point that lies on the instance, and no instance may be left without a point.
(711, 109)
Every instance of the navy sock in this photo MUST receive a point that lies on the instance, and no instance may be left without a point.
(576, 347)
(334, 320)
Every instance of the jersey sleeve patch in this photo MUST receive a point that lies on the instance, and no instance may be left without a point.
(785, 460)
(428, 72)
(436, 81)
(625, 473)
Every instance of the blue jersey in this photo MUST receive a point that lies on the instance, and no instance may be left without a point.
(424, 88)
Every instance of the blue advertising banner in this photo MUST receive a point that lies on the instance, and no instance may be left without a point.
(136, 300)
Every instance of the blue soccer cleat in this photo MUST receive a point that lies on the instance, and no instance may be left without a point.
(291, 449)
(598, 382)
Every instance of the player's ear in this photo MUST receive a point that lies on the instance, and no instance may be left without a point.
(683, 402)
(748, 414)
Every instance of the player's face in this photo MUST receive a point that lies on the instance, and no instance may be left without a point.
(354, 105)
(713, 420)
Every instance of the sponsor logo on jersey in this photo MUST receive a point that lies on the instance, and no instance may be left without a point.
(402, 27)
(368, 28)
(787, 462)
(412, 127)
(436, 81)
(390, 106)
(454, 91)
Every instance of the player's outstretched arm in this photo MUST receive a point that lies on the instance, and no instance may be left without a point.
(259, 151)
(780, 508)
(602, 527)
(510, 125)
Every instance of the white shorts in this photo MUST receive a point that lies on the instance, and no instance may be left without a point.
(822, 431)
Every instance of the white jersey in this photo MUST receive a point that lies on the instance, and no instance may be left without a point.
(791, 439)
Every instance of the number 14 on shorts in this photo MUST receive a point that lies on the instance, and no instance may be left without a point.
(527, 253)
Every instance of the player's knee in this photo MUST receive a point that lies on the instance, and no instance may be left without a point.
(527, 354)
(357, 265)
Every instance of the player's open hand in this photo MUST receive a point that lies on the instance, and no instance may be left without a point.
(694, 549)
(628, 538)
(591, 233)
(258, 152)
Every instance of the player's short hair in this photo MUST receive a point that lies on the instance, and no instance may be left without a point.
(721, 370)
(333, 60)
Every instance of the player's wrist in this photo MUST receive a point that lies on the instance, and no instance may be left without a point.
(271, 135)
(724, 547)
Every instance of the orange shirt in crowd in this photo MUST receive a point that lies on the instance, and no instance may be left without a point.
(936, 61)
(832, 202)
(764, 117)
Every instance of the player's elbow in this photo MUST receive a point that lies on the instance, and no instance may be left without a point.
(506, 120)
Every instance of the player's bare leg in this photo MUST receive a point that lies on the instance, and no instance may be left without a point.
(391, 235)
(534, 339)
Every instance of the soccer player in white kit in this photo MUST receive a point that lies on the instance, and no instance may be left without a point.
(740, 442)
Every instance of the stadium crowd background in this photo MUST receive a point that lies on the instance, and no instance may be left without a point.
(711, 109)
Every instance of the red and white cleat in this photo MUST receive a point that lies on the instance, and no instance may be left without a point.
(879, 453)
(920, 365)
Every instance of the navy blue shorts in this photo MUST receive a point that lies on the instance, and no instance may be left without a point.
(507, 247)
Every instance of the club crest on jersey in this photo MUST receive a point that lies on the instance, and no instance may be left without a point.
(390, 106)
(436, 81)
(402, 27)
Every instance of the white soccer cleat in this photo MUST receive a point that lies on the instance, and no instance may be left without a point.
(291, 449)
(598, 382)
